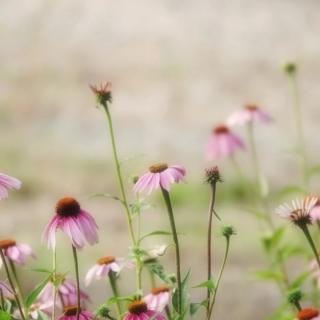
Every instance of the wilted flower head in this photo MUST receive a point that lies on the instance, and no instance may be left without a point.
(223, 143)
(299, 211)
(158, 299)
(103, 92)
(160, 175)
(103, 267)
(308, 314)
(213, 175)
(70, 313)
(16, 252)
(138, 310)
(250, 113)
(8, 183)
(76, 223)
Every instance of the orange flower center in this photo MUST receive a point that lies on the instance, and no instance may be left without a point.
(68, 207)
(251, 107)
(307, 314)
(70, 310)
(6, 243)
(137, 307)
(161, 289)
(159, 167)
(220, 129)
(106, 260)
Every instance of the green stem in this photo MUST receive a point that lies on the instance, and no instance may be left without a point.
(76, 266)
(114, 288)
(12, 284)
(54, 267)
(299, 125)
(209, 239)
(119, 175)
(2, 300)
(254, 157)
(167, 201)
(219, 277)
(298, 305)
(306, 232)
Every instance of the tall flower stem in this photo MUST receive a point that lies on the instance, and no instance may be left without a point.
(123, 195)
(254, 156)
(306, 232)
(115, 291)
(219, 278)
(76, 266)
(12, 285)
(299, 126)
(54, 273)
(167, 201)
(209, 240)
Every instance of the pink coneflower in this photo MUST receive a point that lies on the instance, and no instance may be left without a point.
(315, 211)
(158, 299)
(160, 175)
(308, 314)
(250, 113)
(67, 293)
(102, 269)
(103, 92)
(299, 210)
(75, 222)
(16, 252)
(8, 183)
(223, 143)
(70, 313)
(138, 310)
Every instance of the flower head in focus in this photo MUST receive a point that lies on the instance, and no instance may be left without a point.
(70, 313)
(160, 175)
(223, 143)
(299, 211)
(76, 223)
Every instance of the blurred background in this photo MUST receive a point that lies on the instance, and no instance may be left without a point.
(178, 68)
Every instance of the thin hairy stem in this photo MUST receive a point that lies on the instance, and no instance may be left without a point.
(76, 267)
(115, 291)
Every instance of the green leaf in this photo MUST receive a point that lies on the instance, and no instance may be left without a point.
(156, 233)
(106, 195)
(209, 284)
(289, 251)
(289, 191)
(268, 275)
(159, 271)
(4, 315)
(263, 186)
(299, 280)
(184, 296)
(194, 307)
(115, 299)
(34, 294)
(270, 242)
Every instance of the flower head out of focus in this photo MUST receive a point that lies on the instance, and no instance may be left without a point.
(70, 313)
(315, 211)
(299, 211)
(160, 175)
(102, 268)
(250, 113)
(6, 292)
(8, 183)
(67, 293)
(16, 252)
(76, 223)
(158, 299)
(103, 92)
(308, 314)
(138, 310)
(213, 175)
(223, 143)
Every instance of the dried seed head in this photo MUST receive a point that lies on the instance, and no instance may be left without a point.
(68, 207)
(106, 260)
(7, 243)
(158, 167)
(137, 307)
